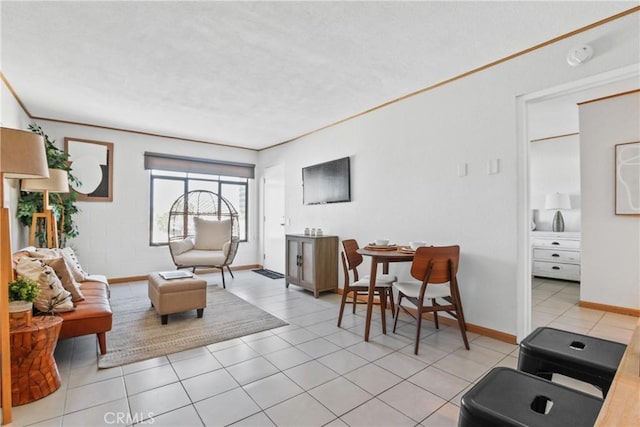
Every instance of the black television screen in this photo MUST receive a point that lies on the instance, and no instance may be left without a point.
(327, 182)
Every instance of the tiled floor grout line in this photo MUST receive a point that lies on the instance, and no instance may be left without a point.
(316, 324)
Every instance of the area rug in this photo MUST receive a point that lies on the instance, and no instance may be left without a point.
(137, 333)
(269, 273)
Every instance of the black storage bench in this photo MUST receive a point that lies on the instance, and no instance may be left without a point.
(506, 397)
(593, 360)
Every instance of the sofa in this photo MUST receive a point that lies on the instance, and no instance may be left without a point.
(92, 315)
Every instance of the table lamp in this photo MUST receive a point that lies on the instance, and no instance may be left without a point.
(557, 201)
(58, 182)
(22, 155)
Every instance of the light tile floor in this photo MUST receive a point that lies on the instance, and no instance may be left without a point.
(310, 373)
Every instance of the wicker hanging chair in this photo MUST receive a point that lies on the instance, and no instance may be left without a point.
(203, 231)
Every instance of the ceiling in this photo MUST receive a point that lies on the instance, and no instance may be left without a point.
(255, 74)
(559, 114)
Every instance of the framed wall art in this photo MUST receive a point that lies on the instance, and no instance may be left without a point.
(92, 163)
(627, 179)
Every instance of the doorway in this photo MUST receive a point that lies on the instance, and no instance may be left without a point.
(274, 219)
(589, 88)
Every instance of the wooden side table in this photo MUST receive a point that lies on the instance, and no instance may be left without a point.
(34, 373)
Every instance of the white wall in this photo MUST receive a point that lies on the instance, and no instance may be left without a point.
(610, 243)
(12, 116)
(555, 163)
(555, 167)
(404, 168)
(114, 237)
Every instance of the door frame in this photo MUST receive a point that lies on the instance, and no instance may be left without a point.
(523, 271)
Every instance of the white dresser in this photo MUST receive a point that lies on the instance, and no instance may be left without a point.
(556, 255)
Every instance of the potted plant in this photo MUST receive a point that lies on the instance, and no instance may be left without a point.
(63, 205)
(22, 293)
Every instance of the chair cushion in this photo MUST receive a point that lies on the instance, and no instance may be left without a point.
(211, 235)
(198, 258)
(382, 278)
(365, 283)
(412, 289)
(181, 246)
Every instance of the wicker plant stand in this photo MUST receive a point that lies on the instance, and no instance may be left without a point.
(34, 373)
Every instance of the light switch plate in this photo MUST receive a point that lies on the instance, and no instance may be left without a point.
(493, 166)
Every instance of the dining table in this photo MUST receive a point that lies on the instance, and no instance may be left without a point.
(382, 256)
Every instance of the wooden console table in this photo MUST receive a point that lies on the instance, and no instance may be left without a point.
(34, 373)
(312, 262)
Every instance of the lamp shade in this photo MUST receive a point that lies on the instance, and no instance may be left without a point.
(22, 154)
(58, 182)
(557, 201)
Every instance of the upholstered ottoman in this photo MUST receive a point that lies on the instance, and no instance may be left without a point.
(177, 295)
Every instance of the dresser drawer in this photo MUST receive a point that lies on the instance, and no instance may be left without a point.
(556, 255)
(556, 243)
(556, 269)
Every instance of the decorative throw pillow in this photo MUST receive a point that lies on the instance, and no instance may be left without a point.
(211, 235)
(53, 297)
(79, 275)
(74, 265)
(44, 253)
(181, 246)
(68, 282)
(15, 257)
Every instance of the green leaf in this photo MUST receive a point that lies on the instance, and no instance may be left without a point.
(30, 203)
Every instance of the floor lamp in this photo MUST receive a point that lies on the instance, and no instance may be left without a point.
(58, 182)
(22, 155)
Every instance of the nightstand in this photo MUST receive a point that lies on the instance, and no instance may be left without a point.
(556, 255)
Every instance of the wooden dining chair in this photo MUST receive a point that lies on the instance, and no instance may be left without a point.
(436, 270)
(351, 259)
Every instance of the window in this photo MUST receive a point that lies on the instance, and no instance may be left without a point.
(172, 176)
(166, 187)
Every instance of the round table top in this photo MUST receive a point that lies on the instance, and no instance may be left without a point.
(387, 254)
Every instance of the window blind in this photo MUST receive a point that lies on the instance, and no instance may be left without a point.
(171, 162)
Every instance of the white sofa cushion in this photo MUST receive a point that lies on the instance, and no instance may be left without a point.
(211, 235)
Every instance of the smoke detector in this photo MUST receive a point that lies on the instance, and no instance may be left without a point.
(579, 55)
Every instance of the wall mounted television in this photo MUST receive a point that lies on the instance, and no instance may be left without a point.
(328, 182)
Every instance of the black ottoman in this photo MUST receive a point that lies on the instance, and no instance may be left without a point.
(593, 360)
(506, 397)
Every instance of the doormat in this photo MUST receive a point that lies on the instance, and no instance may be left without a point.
(268, 273)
